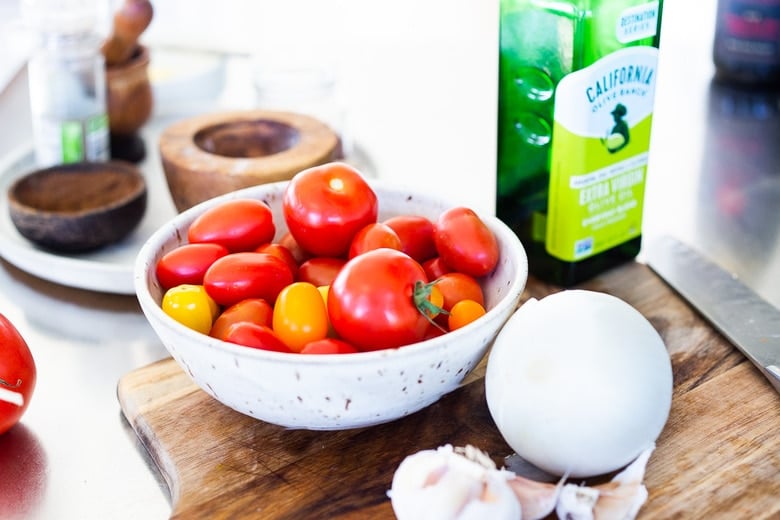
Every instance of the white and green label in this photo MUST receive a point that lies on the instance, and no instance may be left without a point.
(71, 141)
(601, 135)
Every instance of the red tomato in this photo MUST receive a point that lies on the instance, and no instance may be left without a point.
(416, 234)
(17, 375)
(239, 276)
(372, 304)
(320, 270)
(187, 264)
(435, 267)
(288, 241)
(253, 335)
(328, 346)
(459, 286)
(255, 310)
(239, 225)
(326, 205)
(465, 243)
(374, 236)
(282, 253)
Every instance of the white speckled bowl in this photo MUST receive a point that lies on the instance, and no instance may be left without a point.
(339, 391)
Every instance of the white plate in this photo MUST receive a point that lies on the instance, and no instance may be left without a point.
(107, 270)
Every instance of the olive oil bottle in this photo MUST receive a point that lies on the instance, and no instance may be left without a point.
(576, 91)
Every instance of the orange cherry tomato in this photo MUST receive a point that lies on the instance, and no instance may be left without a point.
(463, 313)
(300, 315)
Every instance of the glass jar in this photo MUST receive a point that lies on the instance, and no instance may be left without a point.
(67, 83)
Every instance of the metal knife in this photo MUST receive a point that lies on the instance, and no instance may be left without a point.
(748, 321)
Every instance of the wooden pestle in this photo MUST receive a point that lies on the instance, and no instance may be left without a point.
(130, 21)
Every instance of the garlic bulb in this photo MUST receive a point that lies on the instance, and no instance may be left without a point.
(464, 484)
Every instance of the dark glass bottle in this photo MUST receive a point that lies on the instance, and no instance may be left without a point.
(746, 49)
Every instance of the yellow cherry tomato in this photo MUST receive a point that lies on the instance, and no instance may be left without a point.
(463, 313)
(191, 306)
(300, 315)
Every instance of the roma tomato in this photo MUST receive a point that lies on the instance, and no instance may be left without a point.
(459, 286)
(239, 276)
(435, 267)
(191, 306)
(320, 270)
(300, 315)
(373, 236)
(465, 243)
(288, 241)
(328, 346)
(416, 234)
(326, 205)
(252, 335)
(373, 304)
(255, 310)
(239, 225)
(187, 264)
(18, 375)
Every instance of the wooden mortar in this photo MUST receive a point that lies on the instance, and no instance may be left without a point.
(213, 154)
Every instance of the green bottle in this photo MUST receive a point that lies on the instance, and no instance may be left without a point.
(576, 88)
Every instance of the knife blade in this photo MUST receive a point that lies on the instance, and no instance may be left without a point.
(748, 321)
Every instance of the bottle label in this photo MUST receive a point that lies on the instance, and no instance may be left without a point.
(601, 135)
(59, 142)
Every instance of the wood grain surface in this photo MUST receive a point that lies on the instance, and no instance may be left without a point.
(718, 456)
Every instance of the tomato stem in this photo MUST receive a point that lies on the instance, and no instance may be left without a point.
(9, 385)
(421, 295)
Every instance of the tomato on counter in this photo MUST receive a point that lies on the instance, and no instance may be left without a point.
(18, 375)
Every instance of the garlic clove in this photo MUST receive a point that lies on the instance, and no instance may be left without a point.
(619, 499)
(447, 484)
(624, 495)
(537, 499)
(576, 502)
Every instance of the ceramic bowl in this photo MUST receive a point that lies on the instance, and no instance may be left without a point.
(212, 154)
(339, 391)
(78, 207)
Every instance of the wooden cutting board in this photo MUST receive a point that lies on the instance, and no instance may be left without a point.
(718, 456)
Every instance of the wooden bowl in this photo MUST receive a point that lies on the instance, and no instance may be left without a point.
(214, 154)
(78, 207)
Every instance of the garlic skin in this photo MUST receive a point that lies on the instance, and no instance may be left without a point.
(464, 484)
(619, 499)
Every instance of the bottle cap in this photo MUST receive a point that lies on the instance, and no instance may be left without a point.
(61, 16)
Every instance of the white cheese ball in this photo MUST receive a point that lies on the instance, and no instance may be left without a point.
(579, 383)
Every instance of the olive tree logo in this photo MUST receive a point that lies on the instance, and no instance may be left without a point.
(618, 136)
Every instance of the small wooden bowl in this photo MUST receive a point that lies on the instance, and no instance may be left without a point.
(209, 155)
(78, 207)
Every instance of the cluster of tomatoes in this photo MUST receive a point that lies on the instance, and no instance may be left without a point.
(338, 281)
